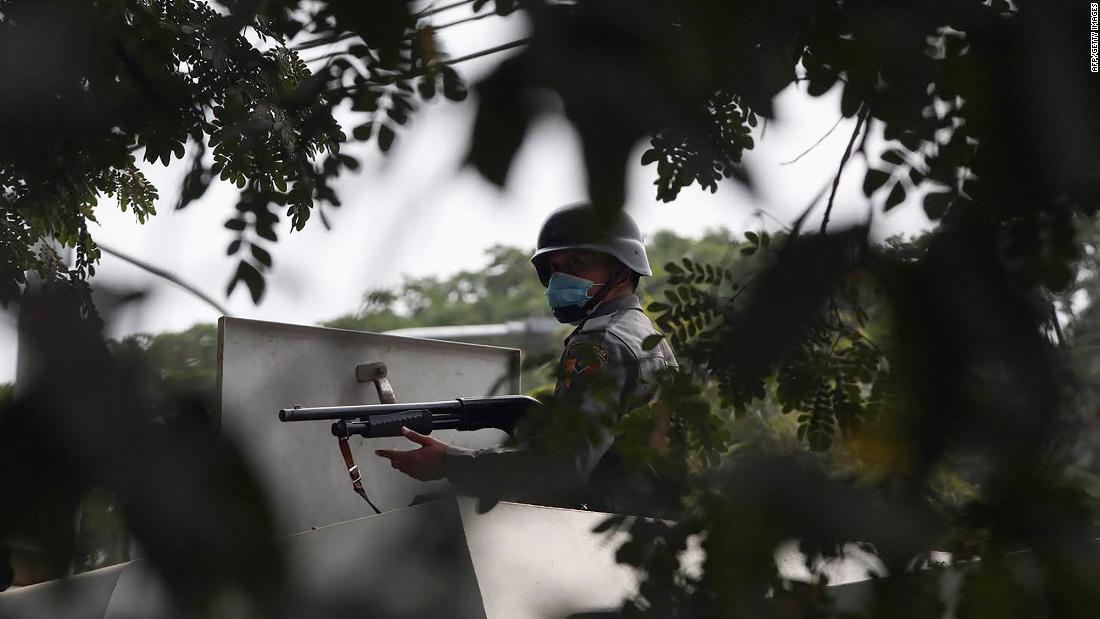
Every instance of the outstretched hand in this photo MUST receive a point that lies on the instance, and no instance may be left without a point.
(425, 463)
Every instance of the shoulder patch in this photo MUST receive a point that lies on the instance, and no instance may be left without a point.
(580, 359)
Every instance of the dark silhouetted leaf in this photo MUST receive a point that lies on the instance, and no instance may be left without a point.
(896, 197)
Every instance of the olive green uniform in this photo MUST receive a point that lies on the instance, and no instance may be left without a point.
(603, 372)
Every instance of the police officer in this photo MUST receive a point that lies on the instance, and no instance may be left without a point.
(590, 264)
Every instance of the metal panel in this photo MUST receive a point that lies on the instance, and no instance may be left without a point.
(84, 596)
(264, 366)
(411, 562)
(534, 561)
(436, 559)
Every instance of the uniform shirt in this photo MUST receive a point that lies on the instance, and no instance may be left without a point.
(602, 373)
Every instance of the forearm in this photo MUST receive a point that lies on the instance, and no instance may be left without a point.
(523, 471)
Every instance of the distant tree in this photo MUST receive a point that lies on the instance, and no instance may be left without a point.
(506, 289)
(183, 362)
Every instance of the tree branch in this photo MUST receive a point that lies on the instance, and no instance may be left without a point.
(1057, 326)
(141, 264)
(817, 143)
(464, 20)
(318, 42)
(445, 7)
(491, 50)
(389, 79)
(843, 162)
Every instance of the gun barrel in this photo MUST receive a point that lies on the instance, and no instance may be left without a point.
(377, 420)
(318, 413)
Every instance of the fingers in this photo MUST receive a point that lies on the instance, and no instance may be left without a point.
(416, 437)
(398, 459)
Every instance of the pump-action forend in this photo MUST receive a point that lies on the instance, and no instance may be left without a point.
(378, 420)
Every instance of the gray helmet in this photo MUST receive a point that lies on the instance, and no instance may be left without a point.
(583, 226)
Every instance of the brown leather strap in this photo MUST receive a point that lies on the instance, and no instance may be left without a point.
(375, 373)
(353, 472)
(349, 460)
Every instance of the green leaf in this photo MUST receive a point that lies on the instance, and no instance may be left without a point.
(874, 180)
(267, 232)
(251, 277)
(261, 255)
(385, 137)
(650, 342)
(453, 87)
(910, 140)
(349, 162)
(650, 156)
(849, 101)
(1057, 276)
(896, 197)
(936, 204)
(752, 237)
(748, 251)
(426, 87)
(820, 85)
(363, 131)
(894, 157)
(233, 248)
(235, 224)
(611, 522)
(504, 114)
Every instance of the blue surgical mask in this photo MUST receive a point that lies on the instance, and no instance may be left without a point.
(564, 290)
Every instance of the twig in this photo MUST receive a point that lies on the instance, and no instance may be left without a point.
(1057, 327)
(389, 79)
(464, 20)
(817, 143)
(774, 218)
(335, 54)
(491, 50)
(318, 42)
(796, 227)
(445, 7)
(843, 162)
(740, 288)
(863, 141)
(164, 275)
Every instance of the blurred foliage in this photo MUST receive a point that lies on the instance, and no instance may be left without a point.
(107, 82)
(101, 432)
(933, 396)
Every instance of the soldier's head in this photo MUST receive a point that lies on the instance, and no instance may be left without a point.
(586, 256)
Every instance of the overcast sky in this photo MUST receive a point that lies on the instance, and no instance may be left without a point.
(418, 212)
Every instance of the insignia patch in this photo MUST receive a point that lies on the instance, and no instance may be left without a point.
(581, 359)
